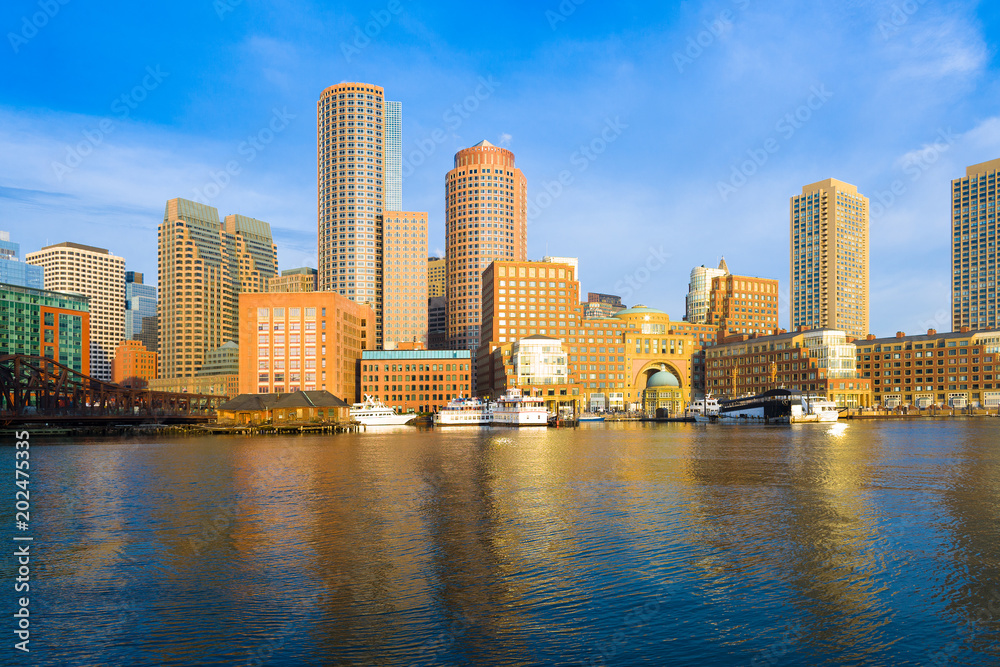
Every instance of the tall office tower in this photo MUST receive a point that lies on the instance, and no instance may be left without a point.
(204, 265)
(393, 156)
(140, 311)
(436, 275)
(351, 181)
(974, 248)
(699, 289)
(829, 258)
(96, 273)
(485, 220)
(437, 323)
(15, 272)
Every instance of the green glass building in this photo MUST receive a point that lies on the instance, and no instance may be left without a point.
(44, 323)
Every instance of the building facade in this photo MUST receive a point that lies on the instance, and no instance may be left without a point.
(393, 156)
(416, 380)
(217, 385)
(303, 342)
(95, 272)
(821, 361)
(959, 369)
(404, 283)
(204, 265)
(47, 324)
(437, 323)
(699, 291)
(140, 311)
(133, 365)
(974, 248)
(609, 361)
(15, 272)
(601, 306)
(485, 221)
(829, 258)
(743, 305)
(294, 280)
(436, 276)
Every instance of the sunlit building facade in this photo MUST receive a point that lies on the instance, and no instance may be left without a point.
(974, 247)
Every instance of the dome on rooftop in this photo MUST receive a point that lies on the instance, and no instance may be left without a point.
(640, 309)
(662, 379)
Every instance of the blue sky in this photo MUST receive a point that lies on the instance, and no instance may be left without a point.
(670, 98)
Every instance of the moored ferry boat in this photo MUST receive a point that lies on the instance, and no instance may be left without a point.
(779, 406)
(375, 413)
(705, 410)
(464, 412)
(514, 409)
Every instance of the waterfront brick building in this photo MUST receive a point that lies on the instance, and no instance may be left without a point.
(609, 361)
(133, 364)
(821, 361)
(416, 380)
(957, 369)
(303, 341)
(47, 324)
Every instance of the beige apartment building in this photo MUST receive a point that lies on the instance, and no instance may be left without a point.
(99, 275)
(829, 258)
(436, 275)
(302, 279)
(485, 221)
(974, 247)
(204, 265)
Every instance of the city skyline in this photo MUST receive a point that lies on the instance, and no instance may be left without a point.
(724, 194)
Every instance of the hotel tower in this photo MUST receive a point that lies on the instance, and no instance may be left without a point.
(359, 178)
(485, 220)
(974, 248)
(829, 258)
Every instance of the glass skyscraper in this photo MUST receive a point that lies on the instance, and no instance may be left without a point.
(15, 272)
(393, 156)
(140, 311)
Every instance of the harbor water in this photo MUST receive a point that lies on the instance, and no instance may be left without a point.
(854, 543)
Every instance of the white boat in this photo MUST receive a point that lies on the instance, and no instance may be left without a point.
(514, 409)
(703, 411)
(464, 412)
(375, 413)
(819, 409)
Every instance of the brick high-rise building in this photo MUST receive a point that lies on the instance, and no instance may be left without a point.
(96, 273)
(699, 291)
(829, 258)
(485, 220)
(743, 305)
(305, 341)
(133, 364)
(359, 164)
(404, 284)
(204, 266)
(974, 248)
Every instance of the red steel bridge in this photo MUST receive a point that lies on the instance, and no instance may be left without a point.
(38, 390)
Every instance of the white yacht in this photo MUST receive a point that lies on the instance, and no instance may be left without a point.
(705, 410)
(818, 408)
(464, 412)
(514, 409)
(375, 413)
